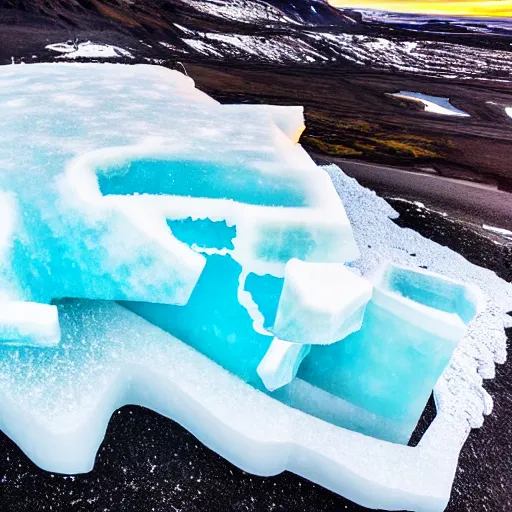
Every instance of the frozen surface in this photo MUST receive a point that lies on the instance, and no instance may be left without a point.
(92, 201)
(194, 235)
(434, 104)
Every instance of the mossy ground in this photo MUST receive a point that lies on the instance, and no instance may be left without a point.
(361, 139)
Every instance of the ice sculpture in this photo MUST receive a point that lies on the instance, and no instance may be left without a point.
(127, 183)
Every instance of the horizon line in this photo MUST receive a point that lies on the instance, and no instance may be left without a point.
(468, 8)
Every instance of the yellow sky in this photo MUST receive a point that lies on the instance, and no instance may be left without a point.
(462, 7)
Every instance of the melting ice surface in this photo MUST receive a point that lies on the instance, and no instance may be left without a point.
(211, 226)
(434, 104)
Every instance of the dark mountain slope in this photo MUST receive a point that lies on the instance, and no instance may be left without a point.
(27, 24)
(160, 14)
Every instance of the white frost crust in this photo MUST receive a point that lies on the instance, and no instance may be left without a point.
(246, 301)
(29, 323)
(290, 120)
(449, 326)
(328, 287)
(321, 303)
(133, 362)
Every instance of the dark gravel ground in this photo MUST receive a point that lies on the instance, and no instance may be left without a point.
(148, 463)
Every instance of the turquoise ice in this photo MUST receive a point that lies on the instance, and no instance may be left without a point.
(144, 238)
(320, 304)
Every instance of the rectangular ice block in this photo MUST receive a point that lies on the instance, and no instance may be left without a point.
(391, 365)
(281, 363)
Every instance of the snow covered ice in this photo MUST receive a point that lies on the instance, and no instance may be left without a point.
(320, 303)
(281, 363)
(125, 183)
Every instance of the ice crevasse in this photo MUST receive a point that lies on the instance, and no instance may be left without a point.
(161, 249)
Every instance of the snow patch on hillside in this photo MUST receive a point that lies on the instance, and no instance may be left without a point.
(89, 50)
(241, 10)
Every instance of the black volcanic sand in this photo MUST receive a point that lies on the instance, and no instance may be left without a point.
(149, 463)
